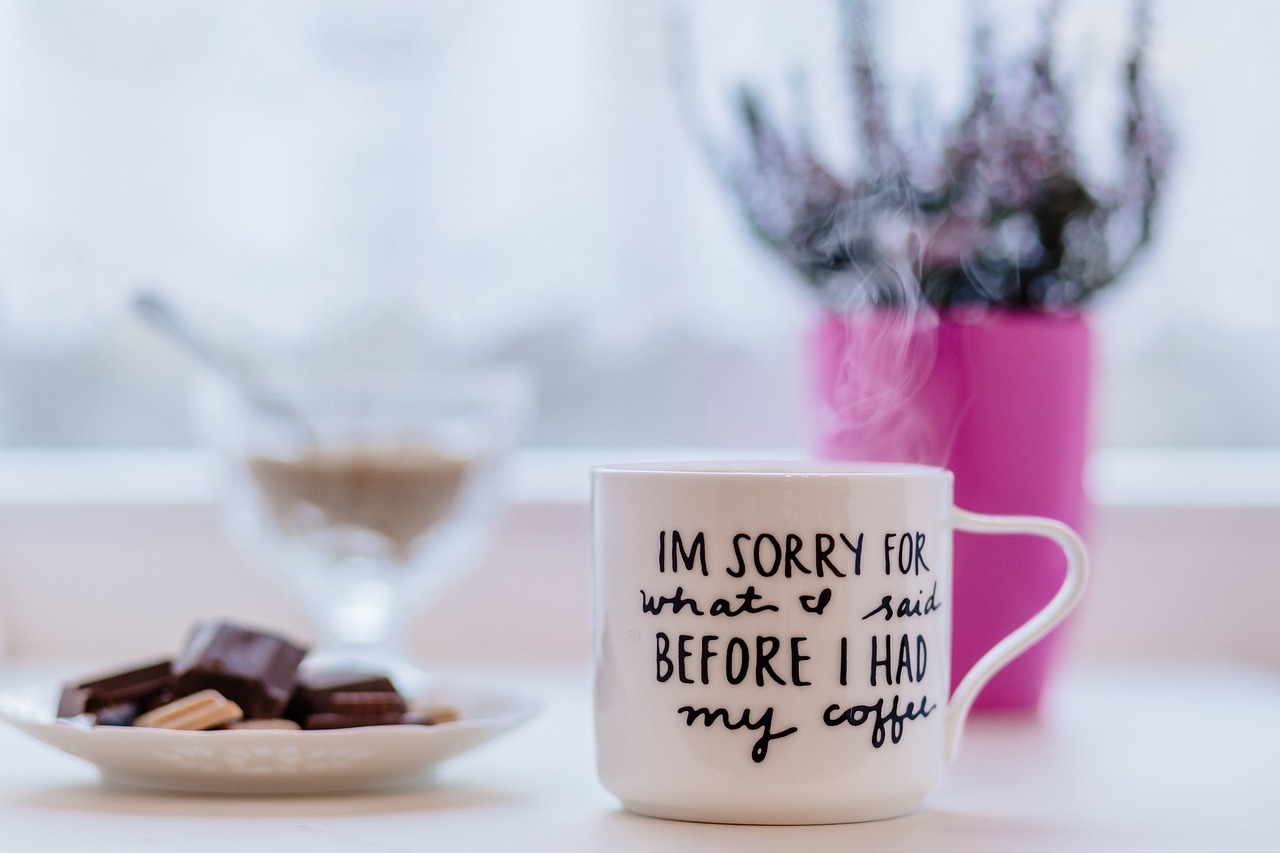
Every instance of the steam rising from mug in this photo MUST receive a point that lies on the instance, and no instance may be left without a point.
(874, 375)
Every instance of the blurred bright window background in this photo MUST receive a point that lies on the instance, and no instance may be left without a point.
(482, 180)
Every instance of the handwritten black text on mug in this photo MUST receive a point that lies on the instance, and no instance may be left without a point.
(768, 564)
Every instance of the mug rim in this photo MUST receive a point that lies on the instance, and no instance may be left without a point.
(805, 468)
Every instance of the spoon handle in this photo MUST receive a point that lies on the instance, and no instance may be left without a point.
(166, 319)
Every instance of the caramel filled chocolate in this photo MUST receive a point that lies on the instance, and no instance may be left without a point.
(430, 716)
(253, 669)
(198, 712)
(143, 686)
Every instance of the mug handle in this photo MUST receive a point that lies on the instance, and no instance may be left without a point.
(1030, 631)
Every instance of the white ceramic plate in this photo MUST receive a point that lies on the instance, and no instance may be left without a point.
(274, 762)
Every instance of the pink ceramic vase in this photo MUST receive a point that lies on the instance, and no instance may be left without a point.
(1002, 399)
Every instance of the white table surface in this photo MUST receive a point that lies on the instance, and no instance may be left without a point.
(1125, 758)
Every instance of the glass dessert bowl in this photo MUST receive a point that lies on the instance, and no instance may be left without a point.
(367, 494)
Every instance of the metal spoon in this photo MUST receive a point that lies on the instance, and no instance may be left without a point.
(162, 316)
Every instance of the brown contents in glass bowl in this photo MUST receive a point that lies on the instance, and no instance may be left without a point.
(397, 492)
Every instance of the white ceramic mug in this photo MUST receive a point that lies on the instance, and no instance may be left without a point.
(772, 640)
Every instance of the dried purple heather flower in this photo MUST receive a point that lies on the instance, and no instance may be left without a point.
(1001, 215)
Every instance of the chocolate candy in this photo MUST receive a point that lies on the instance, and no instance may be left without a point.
(432, 716)
(233, 677)
(253, 669)
(207, 709)
(143, 686)
(326, 720)
(346, 700)
(116, 715)
(264, 725)
(315, 685)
